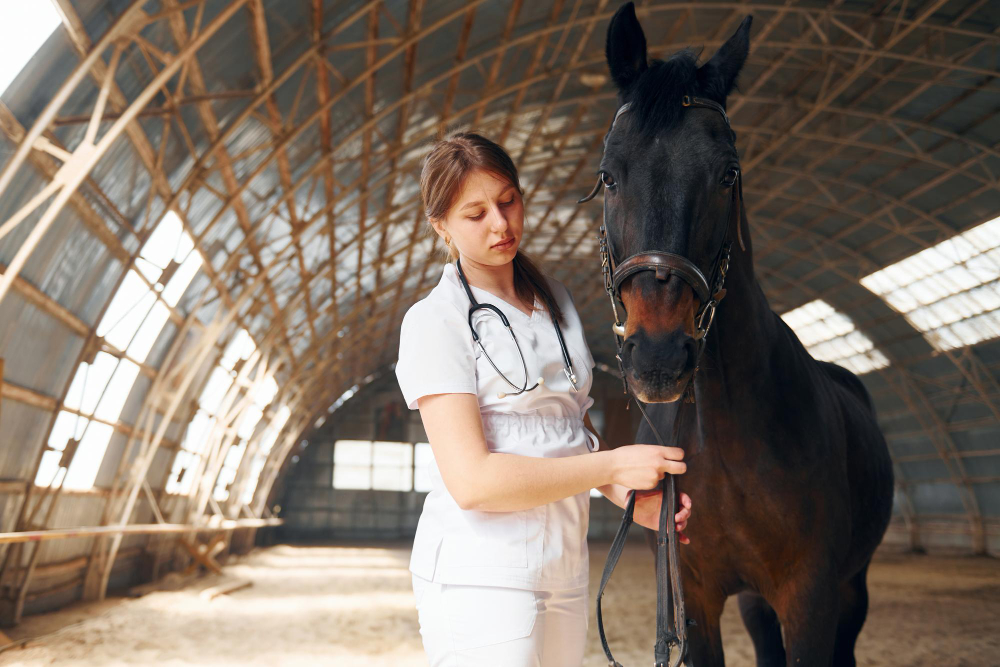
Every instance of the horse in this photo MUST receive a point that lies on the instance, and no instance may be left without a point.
(788, 470)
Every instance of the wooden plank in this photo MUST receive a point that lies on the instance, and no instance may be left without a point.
(133, 529)
(225, 588)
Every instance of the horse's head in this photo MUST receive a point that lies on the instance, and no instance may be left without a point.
(670, 173)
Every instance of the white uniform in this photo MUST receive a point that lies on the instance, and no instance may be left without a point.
(541, 549)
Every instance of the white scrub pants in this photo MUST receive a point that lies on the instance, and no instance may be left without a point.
(486, 626)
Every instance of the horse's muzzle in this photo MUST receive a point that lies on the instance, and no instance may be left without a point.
(659, 367)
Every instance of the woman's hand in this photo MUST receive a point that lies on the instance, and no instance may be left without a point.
(647, 511)
(643, 466)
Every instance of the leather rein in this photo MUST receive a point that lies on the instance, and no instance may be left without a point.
(671, 630)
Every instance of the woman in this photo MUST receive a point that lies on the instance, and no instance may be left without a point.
(499, 562)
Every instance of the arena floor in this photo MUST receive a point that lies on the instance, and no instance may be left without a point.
(337, 605)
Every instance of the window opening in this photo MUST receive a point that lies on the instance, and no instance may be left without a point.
(829, 335)
(950, 292)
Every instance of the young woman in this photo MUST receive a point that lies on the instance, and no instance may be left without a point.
(499, 561)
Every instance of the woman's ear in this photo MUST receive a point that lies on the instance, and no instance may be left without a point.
(438, 227)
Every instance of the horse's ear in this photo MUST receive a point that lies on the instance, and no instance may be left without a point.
(625, 48)
(719, 74)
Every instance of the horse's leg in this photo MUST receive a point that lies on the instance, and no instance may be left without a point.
(853, 610)
(765, 630)
(705, 637)
(807, 605)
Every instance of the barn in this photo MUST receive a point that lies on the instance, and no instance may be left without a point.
(211, 228)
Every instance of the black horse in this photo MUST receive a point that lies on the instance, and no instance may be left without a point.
(788, 470)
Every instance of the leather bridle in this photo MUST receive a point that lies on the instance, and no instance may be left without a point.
(709, 292)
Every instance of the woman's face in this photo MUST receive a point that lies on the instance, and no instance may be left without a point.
(486, 220)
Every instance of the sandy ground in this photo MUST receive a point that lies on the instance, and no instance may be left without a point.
(353, 606)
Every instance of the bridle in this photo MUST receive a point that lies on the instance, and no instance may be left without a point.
(709, 292)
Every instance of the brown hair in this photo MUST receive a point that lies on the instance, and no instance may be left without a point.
(445, 169)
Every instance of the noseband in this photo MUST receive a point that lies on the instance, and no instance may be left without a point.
(709, 291)
(671, 628)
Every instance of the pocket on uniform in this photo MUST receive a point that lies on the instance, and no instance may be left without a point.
(483, 615)
(492, 539)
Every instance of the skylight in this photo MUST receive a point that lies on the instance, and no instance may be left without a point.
(219, 383)
(189, 455)
(132, 322)
(248, 421)
(23, 30)
(67, 427)
(949, 292)
(89, 455)
(217, 398)
(829, 335)
(268, 438)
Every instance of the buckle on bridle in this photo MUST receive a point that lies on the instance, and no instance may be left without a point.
(701, 327)
(618, 327)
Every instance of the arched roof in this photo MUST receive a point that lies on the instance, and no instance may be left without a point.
(233, 184)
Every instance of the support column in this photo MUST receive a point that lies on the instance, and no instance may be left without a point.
(8, 613)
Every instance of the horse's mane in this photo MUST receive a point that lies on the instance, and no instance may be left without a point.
(656, 94)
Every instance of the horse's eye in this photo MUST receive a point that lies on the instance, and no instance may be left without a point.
(731, 174)
(608, 180)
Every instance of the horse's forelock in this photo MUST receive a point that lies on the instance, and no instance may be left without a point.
(656, 96)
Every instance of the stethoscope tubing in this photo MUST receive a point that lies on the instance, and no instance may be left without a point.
(475, 305)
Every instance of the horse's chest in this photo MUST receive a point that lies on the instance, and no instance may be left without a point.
(749, 519)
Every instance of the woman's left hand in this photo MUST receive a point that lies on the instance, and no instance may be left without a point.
(647, 511)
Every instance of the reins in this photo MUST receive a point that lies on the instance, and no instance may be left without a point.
(671, 629)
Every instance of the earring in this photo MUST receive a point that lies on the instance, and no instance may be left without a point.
(447, 241)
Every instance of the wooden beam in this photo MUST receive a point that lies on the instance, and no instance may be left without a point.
(226, 525)
(14, 392)
(49, 306)
(204, 554)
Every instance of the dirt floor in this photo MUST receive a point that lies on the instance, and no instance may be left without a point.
(353, 606)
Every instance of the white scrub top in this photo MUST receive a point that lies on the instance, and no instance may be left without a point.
(541, 548)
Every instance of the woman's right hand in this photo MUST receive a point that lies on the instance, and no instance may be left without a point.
(642, 467)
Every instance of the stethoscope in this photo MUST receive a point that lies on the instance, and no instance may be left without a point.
(568, 369)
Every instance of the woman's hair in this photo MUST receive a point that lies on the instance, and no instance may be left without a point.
(445, 168)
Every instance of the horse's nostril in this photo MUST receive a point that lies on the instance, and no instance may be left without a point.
(627, 348)
(691, 345)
